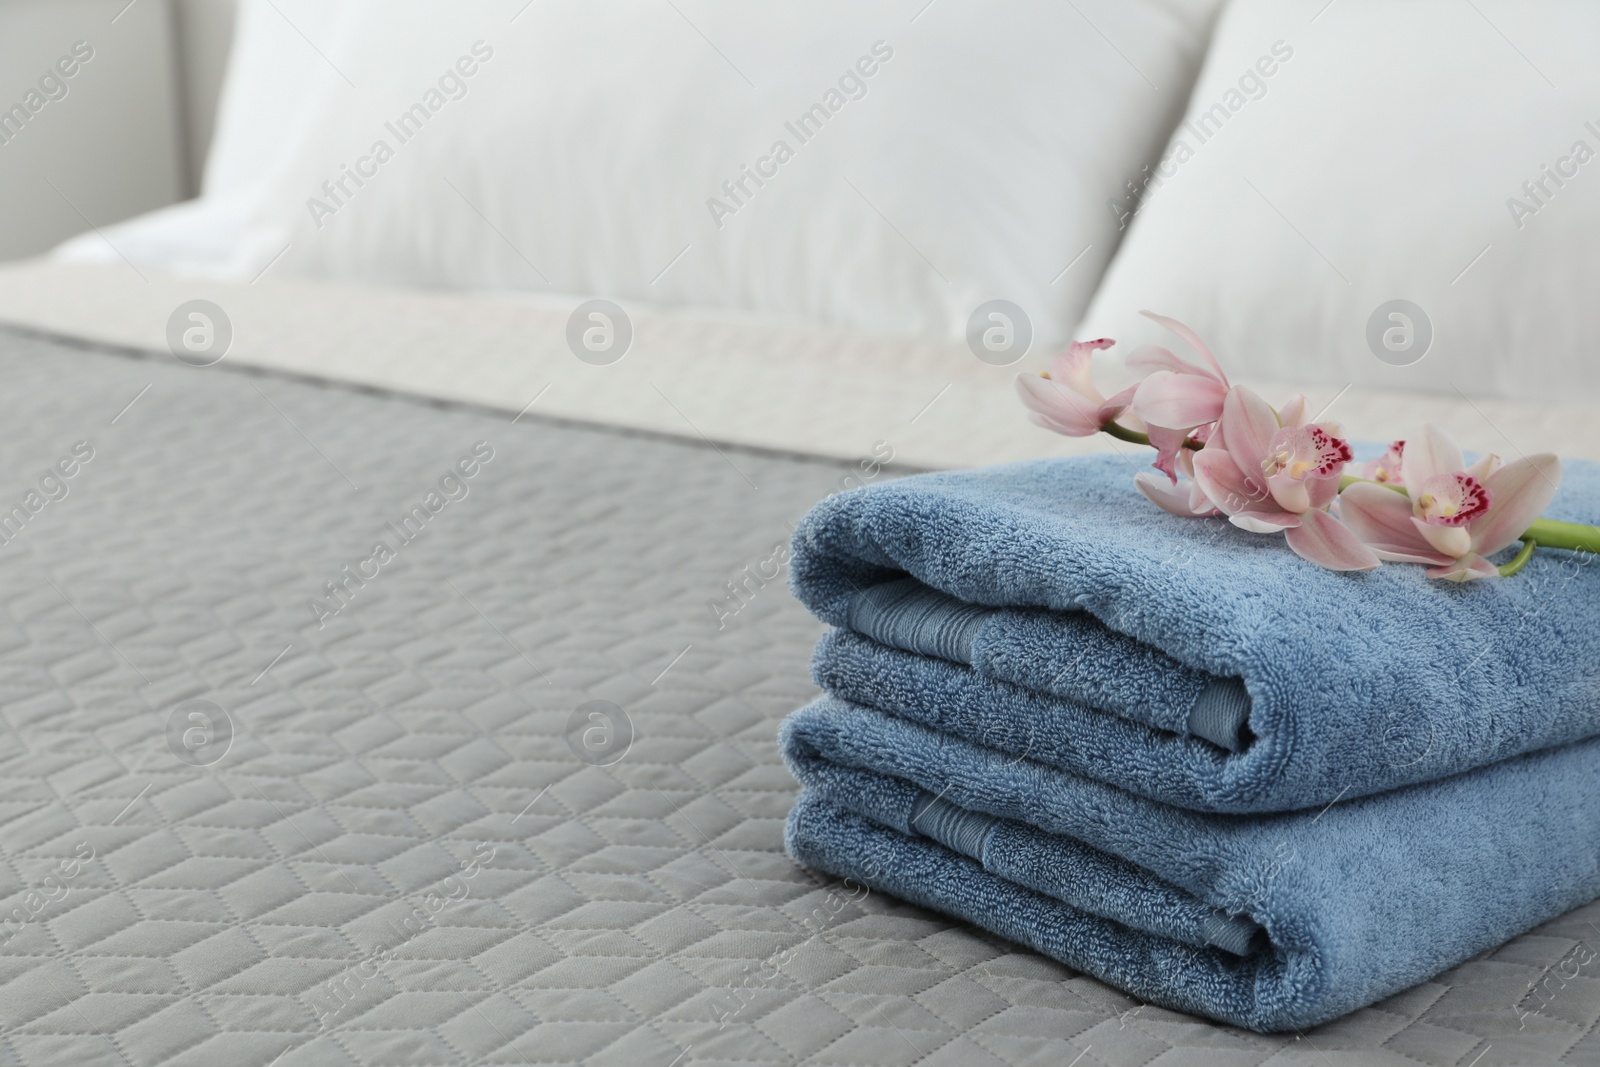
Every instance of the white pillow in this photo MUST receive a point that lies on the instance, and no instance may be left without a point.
(966, 152)
(1383, 159)
(275, 83)
(278, 82)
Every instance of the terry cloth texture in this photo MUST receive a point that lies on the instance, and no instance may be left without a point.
(1172, 754)
(1046, 608)
(1270, 922)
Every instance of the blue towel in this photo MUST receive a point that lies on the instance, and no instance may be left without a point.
(1269, 922)
(1046, 609)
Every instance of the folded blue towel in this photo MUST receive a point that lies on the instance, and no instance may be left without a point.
(1183, 658)
(1269, 922)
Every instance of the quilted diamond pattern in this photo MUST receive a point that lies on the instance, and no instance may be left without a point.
(400, 858)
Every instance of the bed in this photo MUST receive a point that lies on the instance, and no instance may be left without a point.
(400, 686)
(413, 847)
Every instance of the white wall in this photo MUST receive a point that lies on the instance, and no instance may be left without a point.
(205, 37)
(112, 146)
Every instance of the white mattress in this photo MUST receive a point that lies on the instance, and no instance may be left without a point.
(785, 386)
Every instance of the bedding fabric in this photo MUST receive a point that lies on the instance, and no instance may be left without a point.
(799, 389)
(260, 908)
(1053, 612)
(1274, 923)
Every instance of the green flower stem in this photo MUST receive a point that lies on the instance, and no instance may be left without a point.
(1514, 564)
(1550, 533)
(1122, 433)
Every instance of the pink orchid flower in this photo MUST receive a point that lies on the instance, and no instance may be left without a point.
(1065, 398)
(1176, 399)
(1452, 517)
(1386, 469)
(1182, 497)
(1268, 476)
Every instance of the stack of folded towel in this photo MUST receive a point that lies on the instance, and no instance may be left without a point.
(1173, 755)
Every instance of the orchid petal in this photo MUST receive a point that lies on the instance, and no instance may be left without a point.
(1178, 499)
(1056, 407)
(1465, 569)
(1290, 493)
(1389, 554)
(1181, 401)
(1429, 455)
(1452, 541)
(1267, 522)
(1192, 339)
(1327, 542)
(1199, 503)
(1249, 423)
(1152, 358)
(1485, 466)
(1518, 493)
(1294, 412)
(1116, 405)
(1325, 491)
(1168, 444)
(1072, 366)
(1386, 469)
(1214, 438)
(1224, 483)
(1047, 423)
(1382, 518)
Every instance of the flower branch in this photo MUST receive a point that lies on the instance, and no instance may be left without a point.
(1223, 450)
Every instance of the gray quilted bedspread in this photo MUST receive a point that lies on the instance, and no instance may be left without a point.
(503, 790)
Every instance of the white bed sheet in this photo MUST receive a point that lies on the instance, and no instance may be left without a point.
(785, 386)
